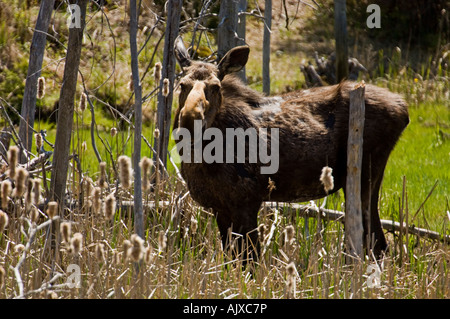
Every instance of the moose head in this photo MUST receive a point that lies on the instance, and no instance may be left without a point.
(201, 96)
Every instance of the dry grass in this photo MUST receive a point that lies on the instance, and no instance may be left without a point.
(182, 257)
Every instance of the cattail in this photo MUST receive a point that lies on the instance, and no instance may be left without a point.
(162, 241)
(41, 87)
(76, 243)
(87, 185)
(131, 83)
(3, 221)
(165, 91)
(36, 191)
(145, 165)
(34, 215)
(39, 141)
(289, 232)
(65, 229)
(97, 200)
(194, 225)
(102, 180)
(126, 248)
(137, 248)
(19, 248)
(125, 171)
(157, 72)
(13, 156)
(29, 195)
(21, 177)
(110, 206)
(290, 284)
(327, 178)
(113, 131)
(156, 133)
(6, 191)
(52, 209)
(100, 252)
(83, 100)
(2, 276)
(148, 256)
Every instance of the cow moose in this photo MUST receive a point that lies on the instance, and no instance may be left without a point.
(312, 128)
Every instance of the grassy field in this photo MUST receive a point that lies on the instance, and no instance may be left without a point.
(181, 255)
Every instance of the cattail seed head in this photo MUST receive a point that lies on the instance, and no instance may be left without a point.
(21, 177)
(41, 87)
(125, 171)
(194, 225)
(327, 178)
(110, 206)
(76, 243)
(290, 284)
(113, 131)
(289, 233)
(19, 248)
(3, 221)
(97, 200)
(13, 156)
(29, 195)
(165, 91)
(156, 133)
(131, 83)
(6, 189)
(162, 241)
(148, 256)
(145, 165)
(157, 72)
(2, 276)
(65, 229)
(39, 141)
(83, 100)
(137, 248)
(34, 215)
(36, 191)
(100, 252)
(102, 181)
(126, 248)
(52, 209)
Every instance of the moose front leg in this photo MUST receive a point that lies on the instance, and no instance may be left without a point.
(238, 231)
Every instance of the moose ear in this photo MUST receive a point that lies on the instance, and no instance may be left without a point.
(233, 61)
(181, 53)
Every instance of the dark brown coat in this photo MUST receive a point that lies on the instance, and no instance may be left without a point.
(313, 132)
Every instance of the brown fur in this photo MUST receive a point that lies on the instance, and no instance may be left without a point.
(313, 126)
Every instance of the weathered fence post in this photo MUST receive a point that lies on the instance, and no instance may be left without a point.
(353, 209)
(340, 35)
(37, 51)
(266, 46)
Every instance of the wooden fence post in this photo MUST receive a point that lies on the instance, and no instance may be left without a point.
(353, 209)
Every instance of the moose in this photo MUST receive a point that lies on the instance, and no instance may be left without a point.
(312, 128)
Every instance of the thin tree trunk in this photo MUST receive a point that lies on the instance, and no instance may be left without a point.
(138, 210)
(340, 34)
(66, 109)
(353, 209)
(227, 29)
(168, 72)
(34, 72)
(241, 26)
(266, 46)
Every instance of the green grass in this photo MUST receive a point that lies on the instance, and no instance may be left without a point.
(422, 155)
